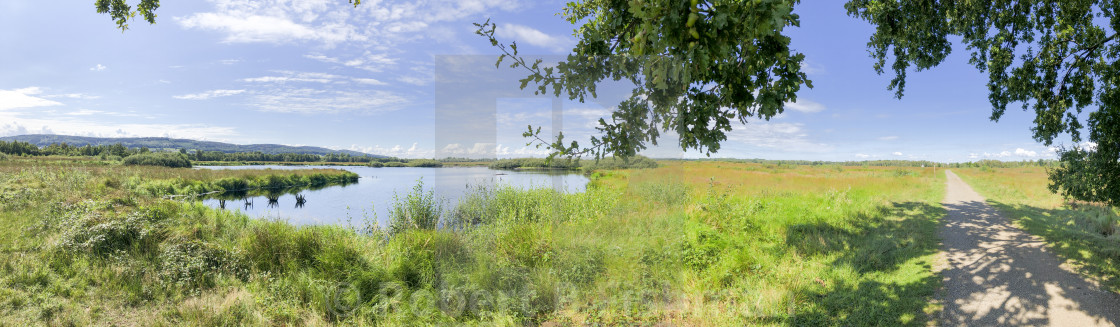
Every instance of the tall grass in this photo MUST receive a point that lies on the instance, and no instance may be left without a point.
(683, 244)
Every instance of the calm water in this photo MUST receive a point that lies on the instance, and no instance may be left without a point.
(374, 191)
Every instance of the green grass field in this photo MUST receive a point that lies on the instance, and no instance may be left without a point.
(1083, 234)
(688, 243)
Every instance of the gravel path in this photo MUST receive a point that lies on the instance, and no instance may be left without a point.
(996, 274)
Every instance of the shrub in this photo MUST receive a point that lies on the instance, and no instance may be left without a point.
(3, 157)
(165, 159)
(193, 266)
(375, 164)
(904, 173)
(86, 231)
(417, 210)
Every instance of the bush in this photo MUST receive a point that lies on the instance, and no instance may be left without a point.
(418, 210)
(375, 164)
(193, 266)
(164, 159)
(86, 231)
(3, 157)
(904, 173)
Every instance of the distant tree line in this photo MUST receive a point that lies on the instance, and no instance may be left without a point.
(18, 148)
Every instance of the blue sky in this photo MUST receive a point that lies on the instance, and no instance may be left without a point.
(322, 73)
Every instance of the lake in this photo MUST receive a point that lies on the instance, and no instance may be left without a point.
(374, 191)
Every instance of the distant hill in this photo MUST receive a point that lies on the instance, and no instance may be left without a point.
(164, 143)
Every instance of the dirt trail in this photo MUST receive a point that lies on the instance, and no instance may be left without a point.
(996, 274)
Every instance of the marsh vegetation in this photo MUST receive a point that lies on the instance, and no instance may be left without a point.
(687, 243)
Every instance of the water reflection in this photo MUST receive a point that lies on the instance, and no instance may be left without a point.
(369, 199)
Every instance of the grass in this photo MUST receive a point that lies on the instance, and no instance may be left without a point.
(1082, 234)
(688, 243)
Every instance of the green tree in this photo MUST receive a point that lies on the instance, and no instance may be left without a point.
(696, 68)
(1057, 58)
(121, 11)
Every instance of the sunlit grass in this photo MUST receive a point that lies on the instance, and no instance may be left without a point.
(689, 243)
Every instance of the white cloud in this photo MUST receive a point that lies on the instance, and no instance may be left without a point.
(312, 77)
(811, 68)
(23, 98)
(209, 94)
(246, 26)
(412, 152)
(82, 125)
(1018, 152)
(98, 68)
(862, 156)
(368, 61)
(1089, 145)
(290, 76)
(31, 90)
(896, 153)
(805, 106)
(888, 138)
(85, 112)
(525, 34)
(1025, 153)
(79, 96)
(414, 80)
(369, 81)
(489, 150)
(372, 24)
(322, 101)
(785, 136)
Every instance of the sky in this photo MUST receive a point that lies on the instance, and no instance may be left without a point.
(411, 79)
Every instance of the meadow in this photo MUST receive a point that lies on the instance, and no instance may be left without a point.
(687, 243)
(1083, 234)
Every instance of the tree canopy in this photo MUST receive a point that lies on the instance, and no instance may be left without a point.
(1057, 58)
(122, 12)
(696, 68)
